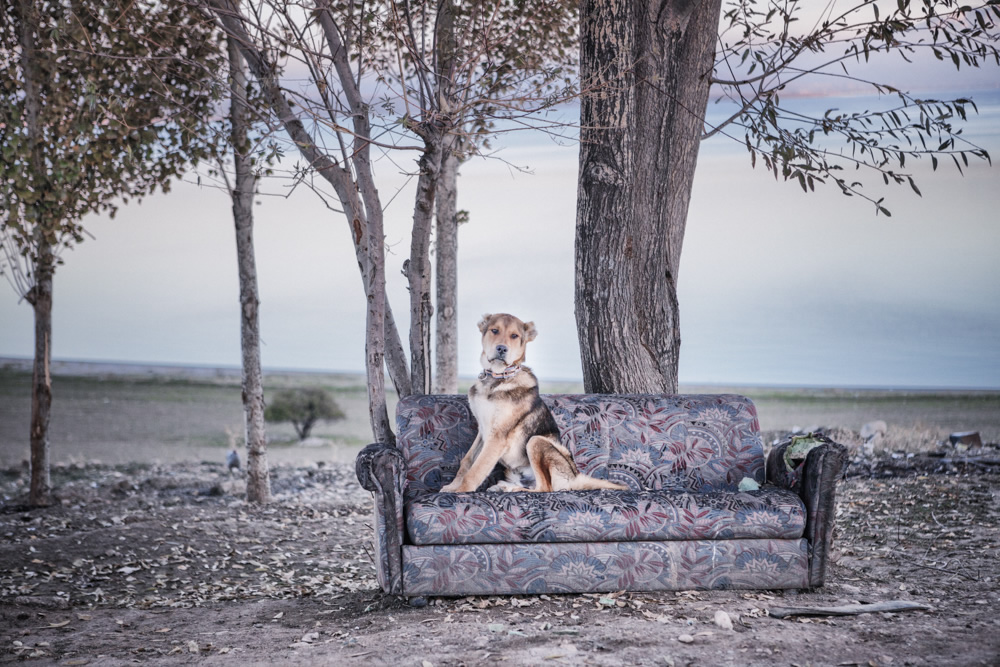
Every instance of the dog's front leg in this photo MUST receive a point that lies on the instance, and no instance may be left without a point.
(463, 467)
(482, 462)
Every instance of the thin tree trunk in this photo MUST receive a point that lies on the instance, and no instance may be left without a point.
(418, 270)
(339, 176)
(649, 63)
(44, 266)
(446, 331)
(375, 317)
(41, 378)
(258, 481)
(364, 220)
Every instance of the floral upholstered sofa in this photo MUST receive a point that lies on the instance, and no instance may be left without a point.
(683, 524)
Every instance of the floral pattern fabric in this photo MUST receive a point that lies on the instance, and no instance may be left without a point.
(683, 523)
(694, 443)
(506, 569)
(603, 516)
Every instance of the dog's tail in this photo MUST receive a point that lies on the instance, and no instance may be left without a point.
(587, 483)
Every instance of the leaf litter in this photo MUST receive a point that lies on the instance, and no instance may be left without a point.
(158, 567)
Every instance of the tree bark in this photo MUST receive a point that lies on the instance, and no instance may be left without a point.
(41, 379)
(418, 270)
(258, 480)
(446, 273)
(446, 59)
(364, 219)
(648, 65)
(43, 264)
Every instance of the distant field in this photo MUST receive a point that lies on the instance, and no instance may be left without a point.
(123, 413)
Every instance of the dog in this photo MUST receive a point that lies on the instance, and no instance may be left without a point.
(516, 429)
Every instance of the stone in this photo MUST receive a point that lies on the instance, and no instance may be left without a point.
(723, 620)
(874, 429)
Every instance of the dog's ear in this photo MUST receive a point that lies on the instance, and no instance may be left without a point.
(485, 322)
(529, 332)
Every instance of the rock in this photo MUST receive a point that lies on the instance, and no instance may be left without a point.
(970, 439)
(874, 429)
(227, 487)
(685, 639)
(723, 620)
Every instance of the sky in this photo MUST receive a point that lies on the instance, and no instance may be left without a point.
(776, 287)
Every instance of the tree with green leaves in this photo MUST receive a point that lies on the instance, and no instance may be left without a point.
(303, 408)
(652, 68)
(100, 103)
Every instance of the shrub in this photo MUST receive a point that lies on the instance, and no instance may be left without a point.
(303, 408)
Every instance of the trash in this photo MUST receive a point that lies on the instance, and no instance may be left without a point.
(749, 484)
(970, 439)
(800, 447)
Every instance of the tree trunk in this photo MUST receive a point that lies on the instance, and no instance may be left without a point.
(364, 220)
(347, 187)
(418, 271)
(258, 481)
(40, 298)
(648, 65)
(446, 267)
(43, 265)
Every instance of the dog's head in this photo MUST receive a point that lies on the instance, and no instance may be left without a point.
(504, 340)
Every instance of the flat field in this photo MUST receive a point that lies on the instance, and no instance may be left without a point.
(116, 413)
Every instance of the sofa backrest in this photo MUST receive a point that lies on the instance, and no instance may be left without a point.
(685, 442)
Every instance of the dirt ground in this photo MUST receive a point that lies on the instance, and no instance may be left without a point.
(167, 564)
(153, 555)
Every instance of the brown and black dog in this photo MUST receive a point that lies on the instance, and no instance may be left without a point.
(515, 427)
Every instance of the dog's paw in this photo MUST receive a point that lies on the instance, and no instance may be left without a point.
(450, 488)
(504, 486)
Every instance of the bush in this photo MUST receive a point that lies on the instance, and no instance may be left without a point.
(302, 407)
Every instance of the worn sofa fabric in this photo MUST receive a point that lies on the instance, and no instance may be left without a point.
(682, 524)
(603, 516)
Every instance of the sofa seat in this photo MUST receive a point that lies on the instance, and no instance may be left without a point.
(604, 516)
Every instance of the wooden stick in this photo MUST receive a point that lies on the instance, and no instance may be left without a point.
(848, 610)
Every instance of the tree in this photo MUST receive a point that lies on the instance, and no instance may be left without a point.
(532, 58)
(652, 65)
(354, 92)
(303, 408)
(242, 193)
(99, 104)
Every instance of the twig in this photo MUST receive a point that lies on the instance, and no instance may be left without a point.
(848, 610)
(946, 571)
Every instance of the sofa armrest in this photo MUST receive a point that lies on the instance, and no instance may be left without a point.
(380, 469)
(812, 469)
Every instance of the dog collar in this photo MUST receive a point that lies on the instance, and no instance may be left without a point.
(506, 373)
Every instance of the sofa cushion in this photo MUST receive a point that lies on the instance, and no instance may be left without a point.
(603, 516)
(685, 443)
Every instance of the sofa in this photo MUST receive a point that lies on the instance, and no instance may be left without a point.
(698, 513)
